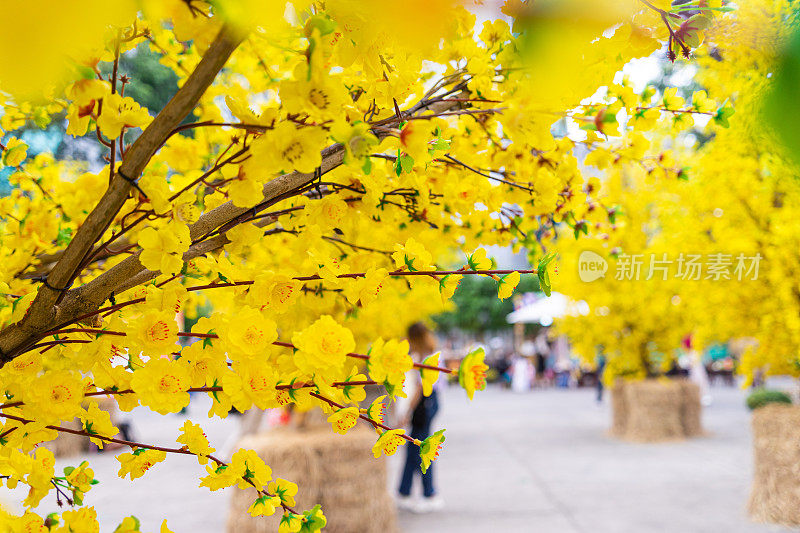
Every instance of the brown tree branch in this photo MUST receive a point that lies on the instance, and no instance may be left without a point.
(130, 272)
(43, 310)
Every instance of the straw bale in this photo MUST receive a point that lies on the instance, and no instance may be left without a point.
(691, 409)
(655, 410)
(67, 444)
(336, 471)
(775, 494)
(619, 409)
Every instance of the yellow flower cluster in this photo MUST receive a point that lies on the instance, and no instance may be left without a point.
(710, 227)
(315, 204)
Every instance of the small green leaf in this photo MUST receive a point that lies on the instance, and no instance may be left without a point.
(406, 163)
(85, 72)
(64, 236)
(41, 118)
(320, 22)
(723, 113)
(544, 276)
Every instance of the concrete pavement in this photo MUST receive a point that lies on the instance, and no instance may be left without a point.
(534, 462)
(542, 462)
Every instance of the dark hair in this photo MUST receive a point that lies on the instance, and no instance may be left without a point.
(420, 339)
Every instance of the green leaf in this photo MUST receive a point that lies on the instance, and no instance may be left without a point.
(41, 118)
(781, 106)
(440, 144)
(208, 341)
(314, 520)
(406, 162)
(723, 113)
(544, 283)
(85, 72)
(321, 22)
(64, 236)
(544, 276)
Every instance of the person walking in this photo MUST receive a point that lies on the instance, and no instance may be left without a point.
(419, 412)
(601, 366)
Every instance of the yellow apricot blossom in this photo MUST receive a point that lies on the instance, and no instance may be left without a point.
(162, 385)
(285, 490)
(252, 383)
(155, 333)
(324, 344)
(264, 505)
(250, 469)
(343, 420)
(14, 152)
(367, 289)
(121, 112)
(195, 440)
(250, 332)
(274, 292)
(56, 395)
(139, 461)
(429, 377)
(429, 449)
(163, 249)
(388, 443)
(97, 421)
(389, 360)
(315, 164)
(507, 285)
(472, 372)
(81, 478)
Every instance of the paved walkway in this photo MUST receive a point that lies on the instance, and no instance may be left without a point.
(541, 462)
(537, 462)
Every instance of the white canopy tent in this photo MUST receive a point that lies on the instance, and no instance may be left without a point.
(545, 309)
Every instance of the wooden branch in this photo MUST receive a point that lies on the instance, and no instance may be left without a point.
(43, 310)
(130, 272)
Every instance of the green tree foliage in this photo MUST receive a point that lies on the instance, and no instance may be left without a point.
(476, 307)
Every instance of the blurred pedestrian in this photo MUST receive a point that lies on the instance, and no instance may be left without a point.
(419, 412)
(601, 366)
(697, 371)
(523, 374)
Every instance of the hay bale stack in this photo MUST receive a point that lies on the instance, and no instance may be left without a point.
(619, 409)
(336, 471)
(691, 409)
(67, 444)
(775, 495)
(655, 410)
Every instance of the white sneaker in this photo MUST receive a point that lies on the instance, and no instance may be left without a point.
(430, 504)
(406, 503)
